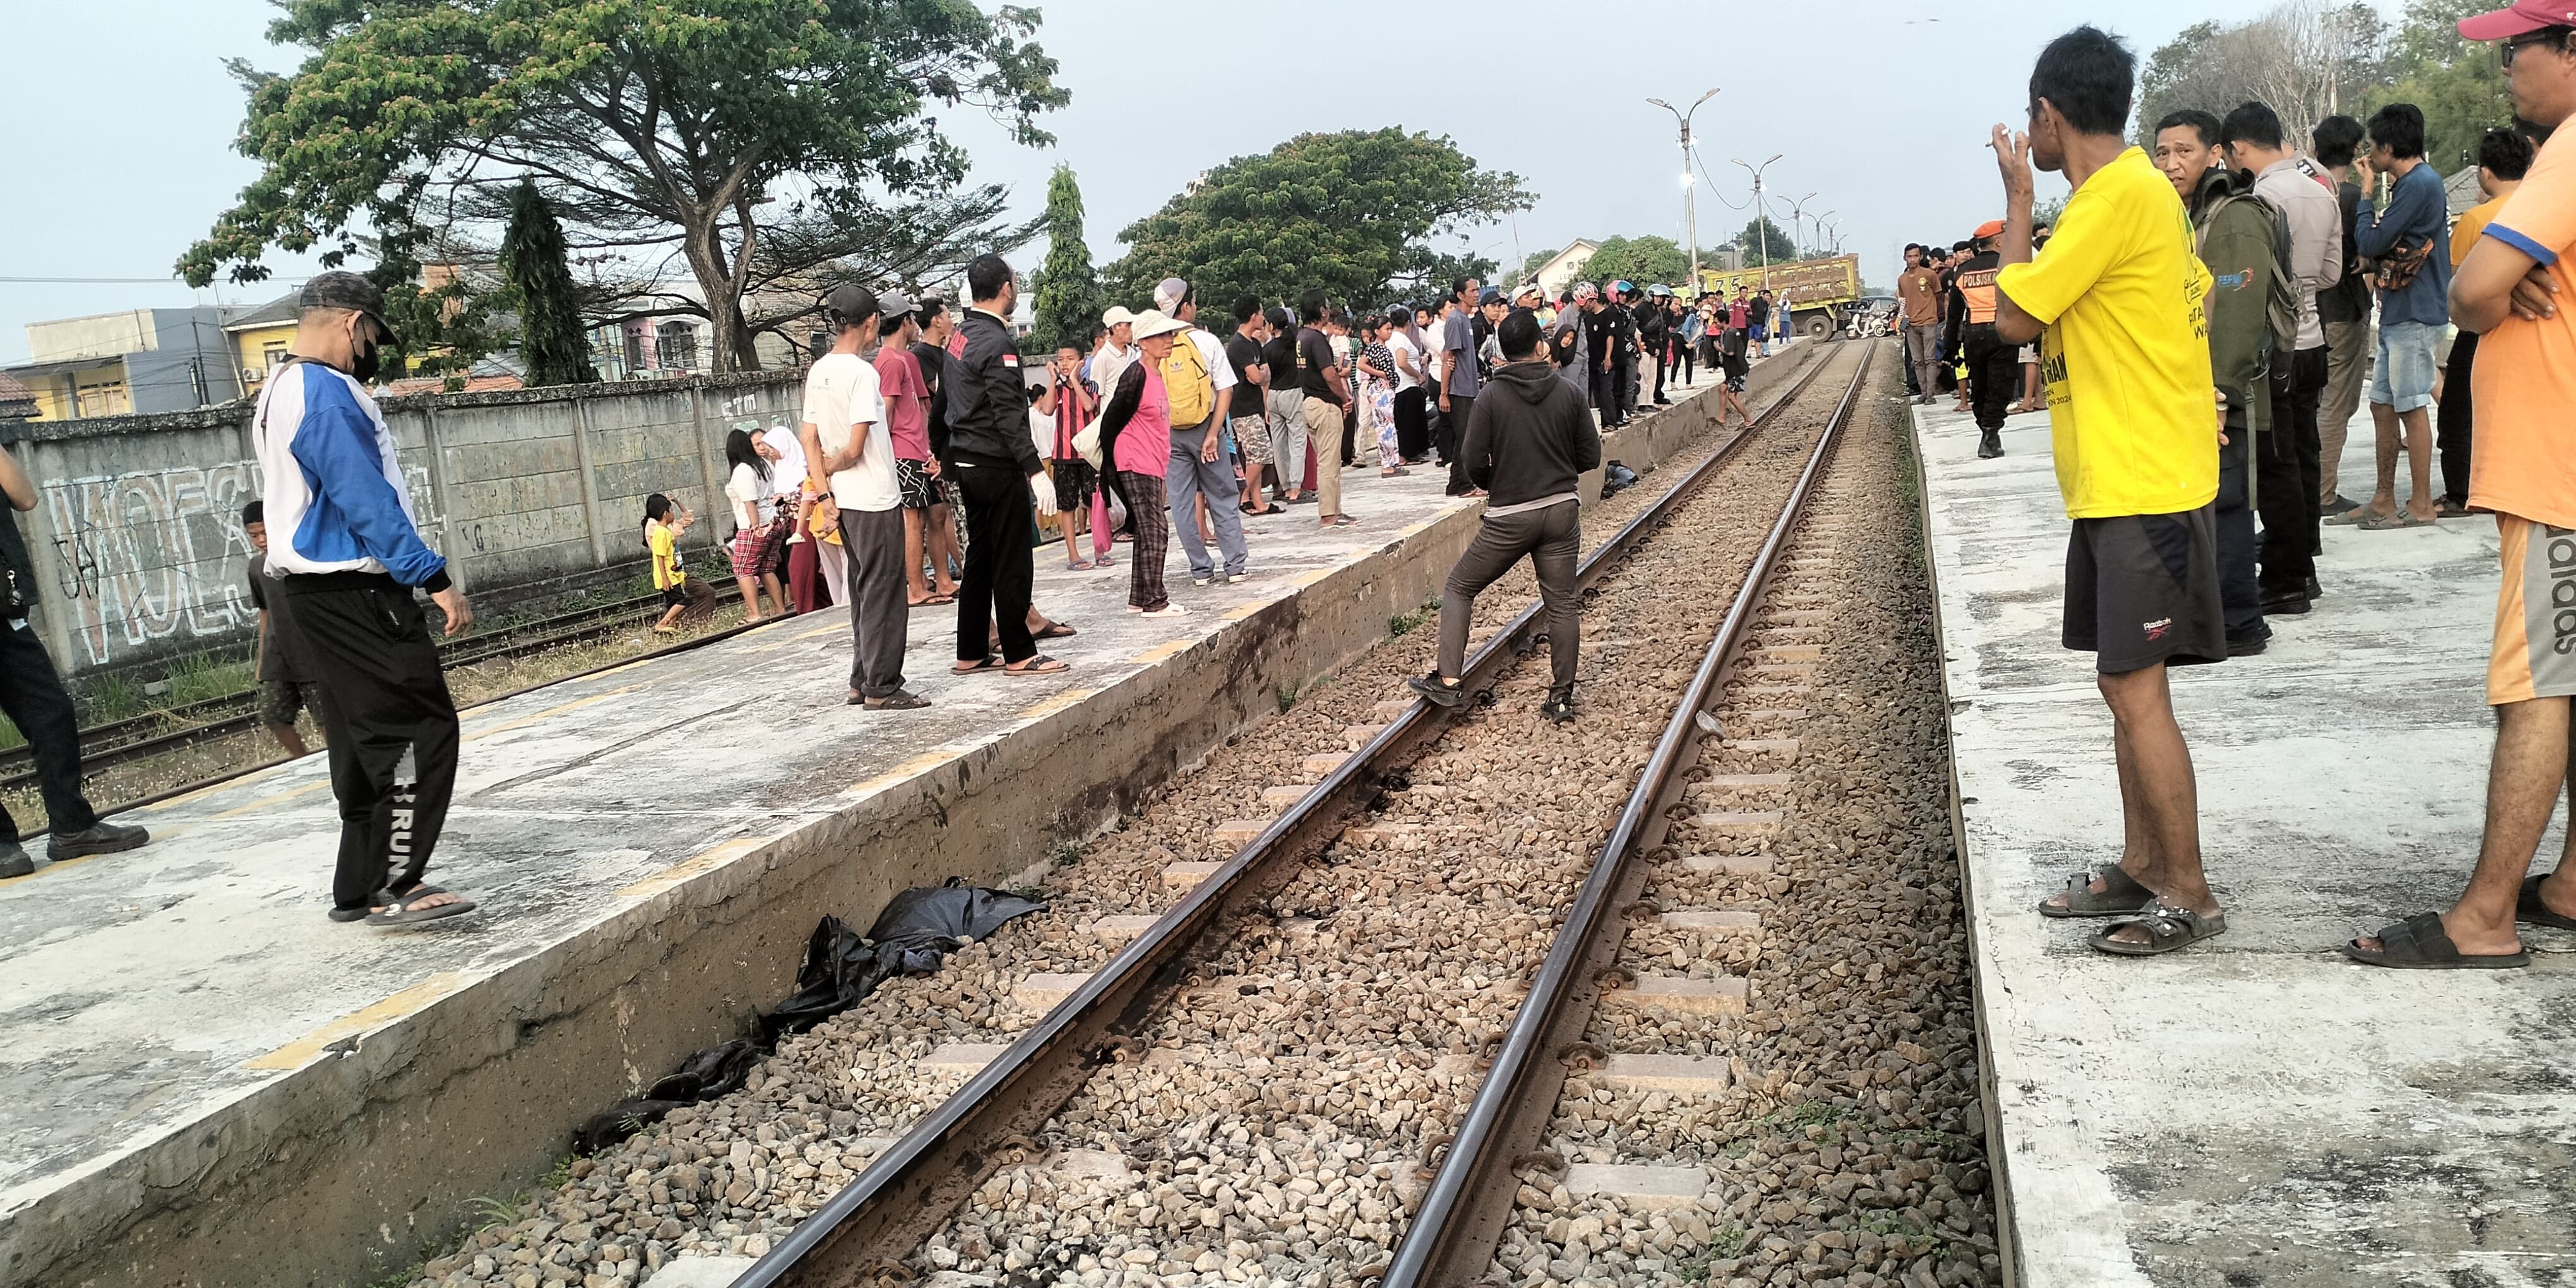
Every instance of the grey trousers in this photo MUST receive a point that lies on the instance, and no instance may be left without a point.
(1923, 353)
(1287, 408)
(1186, 476)
(872, 551)
(1553, 539)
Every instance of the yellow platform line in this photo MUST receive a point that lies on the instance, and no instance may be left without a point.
(410, 1001)
(704, 861)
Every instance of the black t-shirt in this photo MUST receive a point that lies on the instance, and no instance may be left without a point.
(17, 572)
(1244, 354)
(283, 658)
(1757, 311)
(934, 363)
(1314, 358)
(1280, 351)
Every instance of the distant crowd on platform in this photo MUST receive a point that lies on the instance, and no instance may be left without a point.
(2204, 321)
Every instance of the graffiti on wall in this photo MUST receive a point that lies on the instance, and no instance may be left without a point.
(155, 554)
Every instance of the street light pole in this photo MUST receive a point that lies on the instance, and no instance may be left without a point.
(1760, 213)
(1690, 186)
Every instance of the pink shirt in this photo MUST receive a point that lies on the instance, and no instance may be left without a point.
(907, 402)
(1145, 444)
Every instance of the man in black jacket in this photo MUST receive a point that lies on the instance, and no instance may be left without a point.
(998, 475)
(1528, 445)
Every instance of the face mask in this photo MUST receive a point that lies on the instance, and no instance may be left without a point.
(364, 359)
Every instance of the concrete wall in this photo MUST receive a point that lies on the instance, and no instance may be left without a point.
(140, 556)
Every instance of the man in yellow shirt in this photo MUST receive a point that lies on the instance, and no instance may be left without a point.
(2118, 305)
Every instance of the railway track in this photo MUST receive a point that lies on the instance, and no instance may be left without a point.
(171, 729)
(1315, 1060)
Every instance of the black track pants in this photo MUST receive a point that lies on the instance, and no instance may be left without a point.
(391, 725)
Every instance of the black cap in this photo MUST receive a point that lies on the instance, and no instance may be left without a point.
(342, 289)
(850, 303)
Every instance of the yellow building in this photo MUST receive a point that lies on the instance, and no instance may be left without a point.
(260, 339)
(140, 360)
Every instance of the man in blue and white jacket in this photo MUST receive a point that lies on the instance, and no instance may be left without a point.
(343, 540)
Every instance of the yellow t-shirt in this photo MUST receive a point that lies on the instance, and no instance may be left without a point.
(2473, 221)
(2524, 384)
(2132, 419)
(667, 571)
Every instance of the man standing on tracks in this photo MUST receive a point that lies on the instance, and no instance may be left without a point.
(1528, 446)
(1992, 364)
(2117, 304)
(1918, 323)
(342, 538)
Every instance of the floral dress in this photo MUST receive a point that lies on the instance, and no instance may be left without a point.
(1377, 396)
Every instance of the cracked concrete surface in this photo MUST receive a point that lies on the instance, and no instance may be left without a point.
(2254, 1110)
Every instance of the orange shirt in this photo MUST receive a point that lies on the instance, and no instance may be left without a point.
(2524, 385)
(2465, 230)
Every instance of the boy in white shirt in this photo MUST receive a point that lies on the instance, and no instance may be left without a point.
(849, 457)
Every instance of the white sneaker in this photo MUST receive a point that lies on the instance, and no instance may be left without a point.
(1167, 610)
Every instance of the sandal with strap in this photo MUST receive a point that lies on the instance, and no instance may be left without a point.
(2120, 895)
(405, 909)
(1039, 664)
(2168, 927)
(2420, 943)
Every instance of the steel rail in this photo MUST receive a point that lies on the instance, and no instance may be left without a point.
(861, 1233)
(1468, 1204)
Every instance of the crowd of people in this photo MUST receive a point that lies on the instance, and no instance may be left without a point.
(2204, 322)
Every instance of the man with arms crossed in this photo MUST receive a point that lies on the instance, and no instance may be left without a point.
(2514, 289)
(2117, 304)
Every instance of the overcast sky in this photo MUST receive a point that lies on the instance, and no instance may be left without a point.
(124, 118)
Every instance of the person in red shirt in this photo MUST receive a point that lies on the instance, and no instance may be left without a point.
(907, 410)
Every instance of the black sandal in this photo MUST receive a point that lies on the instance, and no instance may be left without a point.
(2530, 911)
(2168, 927)
(403, 911)
(2122, 896)
(2420, 943)
(989, 662)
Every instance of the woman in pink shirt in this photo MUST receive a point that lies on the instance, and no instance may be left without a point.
(1136, 436)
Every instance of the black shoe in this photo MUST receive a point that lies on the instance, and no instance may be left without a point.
(1990, 445)
(98, 838)
(1440, 692)
(14, 861)
(1559, 707)
(2315, 591)
(2250, 645)
(2284, 605)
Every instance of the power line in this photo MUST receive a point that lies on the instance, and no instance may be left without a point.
(123, 281)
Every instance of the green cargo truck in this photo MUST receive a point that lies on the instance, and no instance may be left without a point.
(1821, 292)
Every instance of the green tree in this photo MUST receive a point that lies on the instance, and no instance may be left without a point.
(2456, 83)
(1642, 260)
(1065, 291)
(664, 127)
(2305, 60)
(1764, 241)
(1349, 213)
(551, 339)
(1533, 262)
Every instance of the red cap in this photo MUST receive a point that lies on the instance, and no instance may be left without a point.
(2524, 16)
(1990, 228)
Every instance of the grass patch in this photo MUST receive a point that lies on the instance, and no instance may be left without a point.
(1818, 1120)
(1404, 623)
(1725, 1243)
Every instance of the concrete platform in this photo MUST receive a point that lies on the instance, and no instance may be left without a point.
(2254, 1110)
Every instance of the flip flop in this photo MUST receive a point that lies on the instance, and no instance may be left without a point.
(403, 912)
(2392, 522)
(899, 700)
(2359, 514)
(2168, 927)
(2419, 943)
(988, 662)
(1038, 664)
(2530, 911)
(2450, 509)
(1080, 565)
(2122, 895)
(1056, 631)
